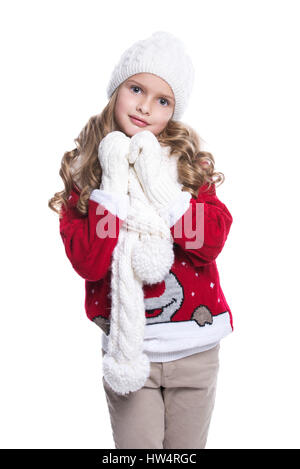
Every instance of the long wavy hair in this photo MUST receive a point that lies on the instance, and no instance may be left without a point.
(81, 165)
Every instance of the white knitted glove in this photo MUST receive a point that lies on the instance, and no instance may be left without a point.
(153, 174)
(113, 157)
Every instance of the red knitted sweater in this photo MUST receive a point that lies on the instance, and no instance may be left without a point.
(185, 313)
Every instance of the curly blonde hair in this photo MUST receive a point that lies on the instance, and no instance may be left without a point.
(81, 165)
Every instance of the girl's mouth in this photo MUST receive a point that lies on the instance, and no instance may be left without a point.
(138, 122)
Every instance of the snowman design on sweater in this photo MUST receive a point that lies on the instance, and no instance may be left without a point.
(163, 308)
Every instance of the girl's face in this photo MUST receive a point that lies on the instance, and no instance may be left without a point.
(147, 97)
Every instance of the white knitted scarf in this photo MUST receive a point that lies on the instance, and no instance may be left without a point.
(143, 255)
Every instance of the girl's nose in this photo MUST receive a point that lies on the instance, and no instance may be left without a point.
(144, 106)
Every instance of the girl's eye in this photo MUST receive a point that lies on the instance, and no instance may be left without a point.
(165, 101)
(138, 88)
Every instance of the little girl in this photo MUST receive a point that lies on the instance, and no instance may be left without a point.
(141, 223)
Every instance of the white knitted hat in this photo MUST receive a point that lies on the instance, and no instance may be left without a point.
(164, 55)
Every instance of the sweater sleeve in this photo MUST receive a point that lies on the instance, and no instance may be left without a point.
(200, 226)
(89, 240)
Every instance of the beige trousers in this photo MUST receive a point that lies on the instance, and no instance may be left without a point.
(172, 410)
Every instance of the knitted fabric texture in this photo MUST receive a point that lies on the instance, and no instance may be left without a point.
(164, 55)
(143, 255)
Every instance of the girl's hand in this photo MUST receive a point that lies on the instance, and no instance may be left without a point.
(152, 170)
(113, 155)
(146, 156)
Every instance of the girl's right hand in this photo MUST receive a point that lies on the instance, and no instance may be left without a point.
(113, 153)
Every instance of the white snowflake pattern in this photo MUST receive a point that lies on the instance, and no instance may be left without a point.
(212, 285)
(193, 293)
(96, 302)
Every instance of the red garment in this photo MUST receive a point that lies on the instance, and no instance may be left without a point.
(195, 288)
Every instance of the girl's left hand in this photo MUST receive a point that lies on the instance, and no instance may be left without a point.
(145, 153)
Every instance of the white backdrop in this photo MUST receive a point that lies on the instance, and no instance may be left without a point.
(56, 60)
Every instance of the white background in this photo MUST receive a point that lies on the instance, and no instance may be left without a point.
(56, 61)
